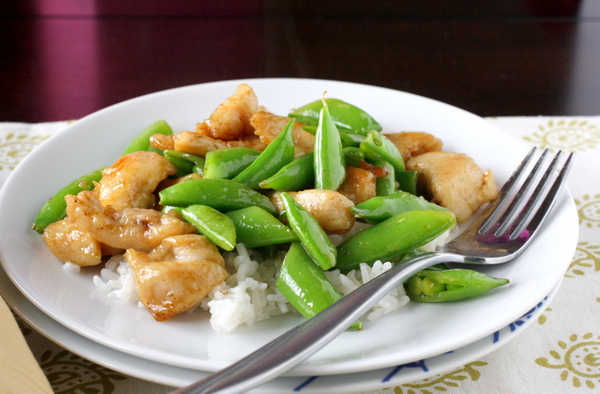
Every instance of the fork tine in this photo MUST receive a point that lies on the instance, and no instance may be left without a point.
(502, 200)
(509, 214)
(530, 219)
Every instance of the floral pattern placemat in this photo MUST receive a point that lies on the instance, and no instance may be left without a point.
(558, 353)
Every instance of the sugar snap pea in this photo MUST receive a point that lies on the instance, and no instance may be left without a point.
(353, 156)
(393, 237)
(386, 185)
(55, 208)
(214, 225)
(443, 285)
(330, 169)
(277, 154)
(256, 227)
(142, 141)
(345, 115)
(228, 162)
(304, 284)
(380, 208)
(309, 232)
(294, 176)
(221, 194)
(186, 163)
(378, 147)
(407, 181)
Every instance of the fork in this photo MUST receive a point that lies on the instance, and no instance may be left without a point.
(499, 234)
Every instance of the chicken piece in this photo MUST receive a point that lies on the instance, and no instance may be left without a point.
(137, 228)
(131, 180)
(414, 143)
(69, 242)
(231, 120)
(161, 141)
(200, 145)
(454, 181)
(176, 275)
(268, 126)
(359, 185)
(330, 208)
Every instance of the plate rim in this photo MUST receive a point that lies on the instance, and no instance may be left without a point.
(302, 369)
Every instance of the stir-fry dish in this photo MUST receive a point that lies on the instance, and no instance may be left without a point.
(324, 194)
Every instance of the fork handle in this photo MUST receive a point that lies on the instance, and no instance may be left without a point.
(296, 345)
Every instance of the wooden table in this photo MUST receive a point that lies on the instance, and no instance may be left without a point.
(63, 60)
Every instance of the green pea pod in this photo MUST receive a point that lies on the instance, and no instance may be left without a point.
(221, 194)
(348, 138)
(309, 232)
(407, 181)
(256, 227)
(378, 147)
(380, 208)
(304, 284)
(142, 141)
(276, 155)
(353, 156)
(387, 184)
(346, 116)
(186, 163)
(443, 285)
(330, 169)
(229, 162)
(214, 225)
(169, 208)
(393, 237)
(55, 208)
(295, 176)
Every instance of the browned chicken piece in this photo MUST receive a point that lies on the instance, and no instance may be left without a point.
(454, 181)
(414, 143)
(70, 243)
(200, 145)
(359, 185)
(137, 228)
(268, 126)
(161, 141)
(131, 180)
(231, 120)
(330, 208)
(176, 275)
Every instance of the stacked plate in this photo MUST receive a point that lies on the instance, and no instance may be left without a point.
(412, 343)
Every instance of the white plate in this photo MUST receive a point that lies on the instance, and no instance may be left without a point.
(179, 377)
(413, 333)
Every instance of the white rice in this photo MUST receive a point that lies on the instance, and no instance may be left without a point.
(116, 280)
(250, 294)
